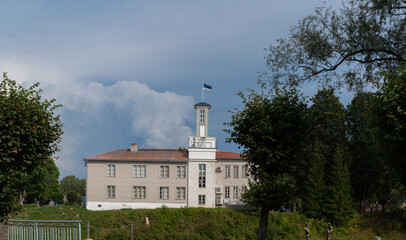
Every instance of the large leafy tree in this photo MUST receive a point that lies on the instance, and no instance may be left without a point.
(346, 46)
(271, 132)
(73, 183)
(43, 184)
(29, 135)
(370, 172)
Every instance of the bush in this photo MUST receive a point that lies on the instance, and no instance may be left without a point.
(73, 197)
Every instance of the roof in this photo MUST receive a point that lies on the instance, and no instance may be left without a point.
(228, 155)
(153, 155)
(143, 154)
(202, 104)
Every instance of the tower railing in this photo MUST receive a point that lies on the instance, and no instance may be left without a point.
(202, 142)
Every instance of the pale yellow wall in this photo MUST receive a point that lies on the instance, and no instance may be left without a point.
(123, 181)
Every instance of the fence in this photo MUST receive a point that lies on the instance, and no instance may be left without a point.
(44, 230)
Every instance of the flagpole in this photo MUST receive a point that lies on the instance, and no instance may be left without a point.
(202, 93)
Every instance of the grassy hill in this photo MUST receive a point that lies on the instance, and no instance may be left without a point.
(219, 223)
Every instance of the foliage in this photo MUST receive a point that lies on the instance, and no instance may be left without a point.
(43, 183)
(392, 95)
(72, 182)
(314, 184)
(328, 119)
(366, 147)
(338, 206)
(73, 197)
(29, 136)
(219, 223)
(349, 46)
(271, 131)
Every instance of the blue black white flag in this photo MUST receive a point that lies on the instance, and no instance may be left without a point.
(207, 87)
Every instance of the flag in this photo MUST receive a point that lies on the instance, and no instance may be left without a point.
(206, 87)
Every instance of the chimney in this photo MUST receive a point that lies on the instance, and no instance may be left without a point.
(134, 147)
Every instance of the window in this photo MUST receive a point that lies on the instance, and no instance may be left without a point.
(111, 170)
(202, 175)
(180, 193)
(202, 199)
(164, 192)
(235, 173)
(181, 172)
(236, 193)
(227, 172)
(227, 192)
(244, 173)
(202, 115)
(164, 173)
(139, 192)
(139, 171)
(111, 191)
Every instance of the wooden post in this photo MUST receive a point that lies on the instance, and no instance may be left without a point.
(132, 232)
(307, 230)
(4, 230)
(329, 230)
(88, 230)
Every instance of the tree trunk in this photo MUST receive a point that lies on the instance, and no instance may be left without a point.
(263, 223)
(3, 230)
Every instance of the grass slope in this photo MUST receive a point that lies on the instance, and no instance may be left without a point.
(218, 223)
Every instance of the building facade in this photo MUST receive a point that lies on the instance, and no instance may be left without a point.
(199, 176)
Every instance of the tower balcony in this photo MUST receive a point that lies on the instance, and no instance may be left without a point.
(202, 142)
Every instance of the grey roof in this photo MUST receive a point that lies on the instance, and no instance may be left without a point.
(202, 104)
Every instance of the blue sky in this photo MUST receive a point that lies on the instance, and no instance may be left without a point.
(131, 71)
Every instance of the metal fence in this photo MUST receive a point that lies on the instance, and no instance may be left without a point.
(44, 230)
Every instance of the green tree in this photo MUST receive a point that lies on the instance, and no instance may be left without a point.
(314, 184)
(72, 182)
(271, 132)
(392, 96)
(370, 169)
(29, 136)
(338, 206)
(73, 197)
(43, 183)
(349, 46)
(328, 119)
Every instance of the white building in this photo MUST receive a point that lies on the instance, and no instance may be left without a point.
(200, 176)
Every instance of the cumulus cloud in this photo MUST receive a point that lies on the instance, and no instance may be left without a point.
(155, 119)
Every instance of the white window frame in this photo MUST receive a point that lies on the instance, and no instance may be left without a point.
(139, 171)
(236, 192)
(202, 175)
(202, 199)
(202, 115)
(111, 191)
(180, 193)
(244, 173)
(164, 171)
(235, 171)
(227, 192)
(227, 172)
(164, 193)
(139, 192)
(111, 170)
(180, 171)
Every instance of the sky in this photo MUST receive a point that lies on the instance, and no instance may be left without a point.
(131, 71)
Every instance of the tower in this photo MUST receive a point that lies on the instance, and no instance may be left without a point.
(202, 119)
(202, 160)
